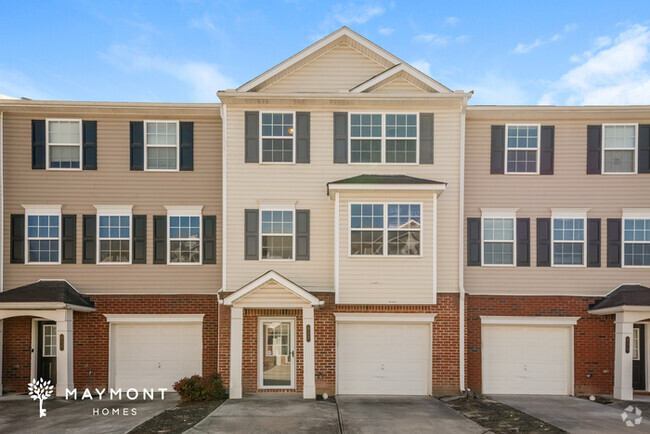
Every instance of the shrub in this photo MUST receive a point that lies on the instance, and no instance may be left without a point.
(198, 388)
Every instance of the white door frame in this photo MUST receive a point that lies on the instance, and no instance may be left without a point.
(260, 351)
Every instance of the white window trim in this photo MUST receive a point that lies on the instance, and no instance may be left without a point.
(505, 213)
(185, 211)
(632, 214)
(146, 145)
(47, 145)
(385, 229)
(530, 320)
(262, 137)
(278, 207)
(539, 147)
(260, 351)
(43, 340)
(383, 137)
(575, 214)
(115, 210)
(635, 149)
(42, 210)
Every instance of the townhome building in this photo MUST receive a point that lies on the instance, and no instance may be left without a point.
(340, 224)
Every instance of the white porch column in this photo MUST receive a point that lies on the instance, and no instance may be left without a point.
(1, 337)
(623, 358)
(236, 337)
(309, 372)
(64, 346)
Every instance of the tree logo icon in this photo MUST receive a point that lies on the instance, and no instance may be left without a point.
(40, 390)
(631, 416)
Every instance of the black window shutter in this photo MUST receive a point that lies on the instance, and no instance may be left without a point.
(340, 137)
(644, 148)
(68, 239)
(252, 137)
(523, 242)
(209, 239)
(547, 150)
(302, 235)
(303, 137)
(89, 129)
(593, 242)
(251, 234)
(139, 239)
(594, 146)
(497, 149)
(17, 239)
(160, 239)
(544, 242)
(38, 144)
(89, 235)
(186, 146)
(426, 138)
(473, 241)
(614, 231)
(137, 145)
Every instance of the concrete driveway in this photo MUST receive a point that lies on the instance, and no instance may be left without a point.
(576, 415)
(19, 414)
(355, 414)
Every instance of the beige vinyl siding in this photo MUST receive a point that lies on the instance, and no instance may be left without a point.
(399, 86)
(114, 184)
(269, 295)
(340, 68)
(249, 185)
(535, 195)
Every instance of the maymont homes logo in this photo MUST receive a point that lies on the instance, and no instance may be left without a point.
(41, 390)
(632, 416)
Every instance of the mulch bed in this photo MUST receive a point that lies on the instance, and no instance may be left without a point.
(178, 419)
(500, 418)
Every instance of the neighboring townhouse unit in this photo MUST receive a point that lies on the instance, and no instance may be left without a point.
(111, 261)
(558, 217)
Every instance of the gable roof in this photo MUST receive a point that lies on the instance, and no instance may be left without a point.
(46, 291)
(383, 182)
(343, 34)
(624, 295)
(267, 277)
(397, 70)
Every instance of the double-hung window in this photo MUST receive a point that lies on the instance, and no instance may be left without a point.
(619, 148)
(64, 144)
(498, 237)
(383, 138)
(522, 148)
(636, 240)
(184, 225)
(277, 138)
(385, 229)
(43, 228)
(568, 234)
(277, 234)
(114, 234)
(161, 145)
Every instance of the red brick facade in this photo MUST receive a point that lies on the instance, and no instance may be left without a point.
(16, 353)
(593, 336)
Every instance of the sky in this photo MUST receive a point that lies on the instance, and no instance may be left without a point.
(508, 52)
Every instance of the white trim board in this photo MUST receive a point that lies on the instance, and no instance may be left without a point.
(385, 317)
(530, 320)
(154, 318)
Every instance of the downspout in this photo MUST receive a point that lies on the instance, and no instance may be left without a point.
(461, 245)
(2, 203)
(224, 138)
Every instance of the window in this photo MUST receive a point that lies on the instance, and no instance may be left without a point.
(385, 229)
(277, 234)
(635, 344)
(383, 138)
(161, 145)
(43, 242)
(569, 241)
(49, 340)
(277, 138)
(114, 239)
(522, 148)
(184, 239)
(64, 144)
(498, 238)
(619, 148)
(636, 242)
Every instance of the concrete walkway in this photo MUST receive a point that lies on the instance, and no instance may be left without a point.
(574, 415)
(19, 414)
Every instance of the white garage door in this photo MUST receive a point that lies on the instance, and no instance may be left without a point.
(155, 355)
(531, 360)
(383, 359)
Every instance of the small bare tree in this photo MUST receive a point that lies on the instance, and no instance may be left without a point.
(40, 390)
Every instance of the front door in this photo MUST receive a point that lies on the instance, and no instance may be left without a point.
(277, 354)
(638, 357)
(46, 356)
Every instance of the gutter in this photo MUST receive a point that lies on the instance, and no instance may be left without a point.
(2, 200)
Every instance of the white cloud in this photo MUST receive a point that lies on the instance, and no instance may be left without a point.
(616, 73)
(16, 84)
(422, 65)
(386, 31)
(438, 40)
(522, 48)
(347, 14)
(202, 78)
(451, 21)
(496, 88)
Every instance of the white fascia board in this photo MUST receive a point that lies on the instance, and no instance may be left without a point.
(272, 275)
(421, 318)
(426, 187)
(530, 320)
(45, 305)
(617, 309)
